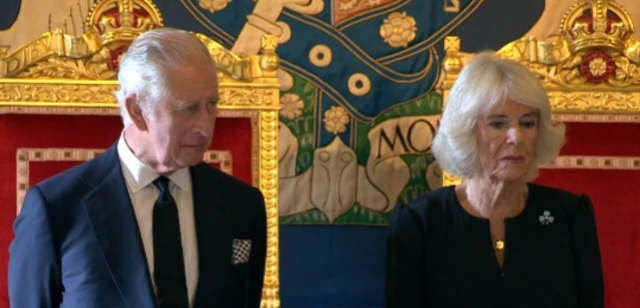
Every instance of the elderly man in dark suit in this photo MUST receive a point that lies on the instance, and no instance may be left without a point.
(147, 223)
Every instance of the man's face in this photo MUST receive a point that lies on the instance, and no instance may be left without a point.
(183, 126)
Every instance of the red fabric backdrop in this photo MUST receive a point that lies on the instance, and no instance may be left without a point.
(613, 194)
(84, 132)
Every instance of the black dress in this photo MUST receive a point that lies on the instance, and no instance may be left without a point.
(438, 255)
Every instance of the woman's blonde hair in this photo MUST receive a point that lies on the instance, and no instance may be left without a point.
(486, 81)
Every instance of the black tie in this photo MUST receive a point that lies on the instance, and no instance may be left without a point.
(169, 274)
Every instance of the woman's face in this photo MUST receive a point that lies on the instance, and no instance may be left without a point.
(506, 138)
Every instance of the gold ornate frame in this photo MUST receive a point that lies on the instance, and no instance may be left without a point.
(591, 70)
(62, 74)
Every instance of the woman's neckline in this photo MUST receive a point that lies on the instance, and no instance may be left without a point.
(527, 205)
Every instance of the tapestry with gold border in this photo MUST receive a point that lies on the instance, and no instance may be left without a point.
(358, 107)
(57, 108)
(590, 68)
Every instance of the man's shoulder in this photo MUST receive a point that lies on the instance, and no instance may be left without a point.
(63, 181)
(75, 179)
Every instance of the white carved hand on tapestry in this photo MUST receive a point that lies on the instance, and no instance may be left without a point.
(37, 17)
(335, 181)
(333, 184)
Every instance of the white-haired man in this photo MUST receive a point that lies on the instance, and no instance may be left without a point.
(147, 223)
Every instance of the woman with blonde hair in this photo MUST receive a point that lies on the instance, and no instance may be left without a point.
(496, 239)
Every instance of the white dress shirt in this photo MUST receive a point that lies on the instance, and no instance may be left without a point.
(143, 194)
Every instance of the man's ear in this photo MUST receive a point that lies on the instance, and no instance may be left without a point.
(135, 112)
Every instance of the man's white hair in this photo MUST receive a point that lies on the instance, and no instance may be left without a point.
(486, 81)
(148, 61)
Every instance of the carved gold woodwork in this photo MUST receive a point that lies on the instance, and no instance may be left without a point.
(591, 68)
(61, 74)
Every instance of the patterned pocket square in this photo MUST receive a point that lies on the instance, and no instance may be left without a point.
(241, 251)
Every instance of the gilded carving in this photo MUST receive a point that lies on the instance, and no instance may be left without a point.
(117, 20)
(626, 73)
(75, 56)
(597, 118)
(97, 94)
(269, 62)
(69, 69)
(246, 97)
(594, 47)
(594, 53)
(235, 66)
(595, 102)
(269, 187)
(49, 109)
(96, 54)
(89, 94)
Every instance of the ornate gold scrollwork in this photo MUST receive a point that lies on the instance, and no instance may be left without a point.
(594, 50)
(82, 94)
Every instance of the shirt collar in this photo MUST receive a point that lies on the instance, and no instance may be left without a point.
(141, 175)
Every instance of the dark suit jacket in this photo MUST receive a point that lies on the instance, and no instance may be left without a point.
(77, 242)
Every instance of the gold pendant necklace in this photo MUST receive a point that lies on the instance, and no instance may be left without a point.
(499, 244)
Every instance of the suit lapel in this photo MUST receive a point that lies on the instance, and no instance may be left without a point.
(113, 221)
(214, 233)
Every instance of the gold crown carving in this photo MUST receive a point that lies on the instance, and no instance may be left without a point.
(116, 23)
(122, 21)
(596, 24)
(112, 26)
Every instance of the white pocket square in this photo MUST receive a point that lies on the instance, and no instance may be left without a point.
(241, 251)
